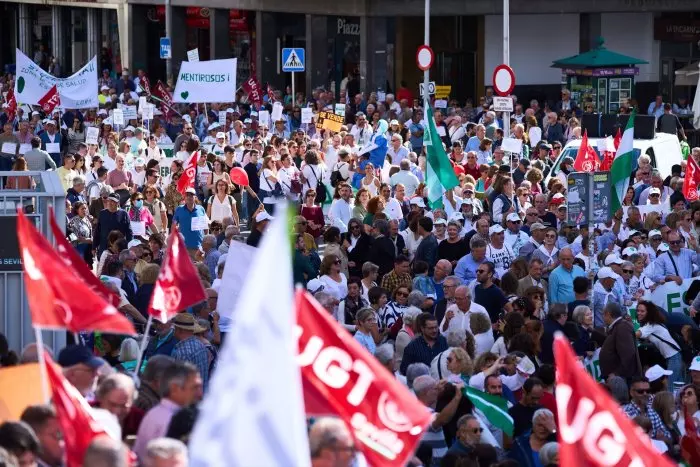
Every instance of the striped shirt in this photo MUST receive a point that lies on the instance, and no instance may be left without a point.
(435, 438)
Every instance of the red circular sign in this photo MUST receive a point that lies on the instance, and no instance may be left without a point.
(424, 57)
(503, 80)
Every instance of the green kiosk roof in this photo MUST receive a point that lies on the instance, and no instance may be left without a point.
(600, 57)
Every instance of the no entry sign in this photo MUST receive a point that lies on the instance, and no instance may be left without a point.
(424, 57)
(503, 80)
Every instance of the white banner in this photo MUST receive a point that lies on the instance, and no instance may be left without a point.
(234, 278)
(669, 296)
(645, 209)
(77, 92)
(209, 81)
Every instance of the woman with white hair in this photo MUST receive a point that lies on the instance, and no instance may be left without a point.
(406, 333)
(549, 454)
(129, 354)
(583, 317)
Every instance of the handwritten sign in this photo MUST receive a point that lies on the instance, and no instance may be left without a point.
(200, 223)
(118, 117)
(329, 121)
(306, 115)
(9, 148)
(193, 55)
(24, 148)
(92, 133)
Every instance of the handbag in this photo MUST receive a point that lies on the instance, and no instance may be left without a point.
(276, 191)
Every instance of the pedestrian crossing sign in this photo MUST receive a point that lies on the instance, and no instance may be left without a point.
(293, 60)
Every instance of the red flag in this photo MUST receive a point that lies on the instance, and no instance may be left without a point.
(50, 100)
(58, 298)
(586, 159)
(71, 259)
(11, 105)
(178, 285)
(252, 87)
(692, 177)
(187, 179)
(166, 100)
(593, 430)
(690, 442)
(145, 84)
(78, 426)
(618, 138)
(341, 378)
(270, 94)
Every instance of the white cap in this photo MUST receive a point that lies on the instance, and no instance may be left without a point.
(513, 217)
(655, 233)
(314, 285)
(654, 191)
(607, 273)
(526, 366)
(102, 112)
(48, 121)
(440, 221)
(456, 216)
(104, 88)
(263, 216)
(467, 201)
(213, 126)
(220, 135)
(393, 122)
(187, 118)
(557, 196)
(695, 366)
(229, 110)
(496, 229)
(613, 259)
(190, 191)
(140, 162)
(633, 233)
(133, 243)
(663, 247)
(630, 250)
(35, 113)
(247, 121)
(656, 372)
(417, 201)
(130, 128)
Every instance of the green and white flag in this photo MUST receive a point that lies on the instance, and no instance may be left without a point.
(440, 176)
(494, 408)
(622, 166)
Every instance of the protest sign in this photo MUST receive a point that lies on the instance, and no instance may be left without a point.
(512, 145)
(92, 133)
(329, 121)
(645, 209)
(24, 148)
(306, 115)
(9, 148)
(235, 274)
(440, 104)
(442, 92)
(14, 401)
(142, 103)
(78, 91)
(118, 116)
(222, 118)
(340, 109)
(671, 296)
(264, 118)
(130, 112)
(208, 81)
(277, 109)
(148, 112)
(193, 55)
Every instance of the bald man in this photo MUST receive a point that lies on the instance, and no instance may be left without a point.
(561, 280)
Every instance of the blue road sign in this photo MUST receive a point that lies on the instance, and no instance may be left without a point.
(166, 48)
(293, 60)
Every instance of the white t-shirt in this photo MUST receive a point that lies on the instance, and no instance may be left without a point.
(666, 350)
(461, 320)
(221, 209)
(392, 209)
(501, 258)
(312, 174)
(268, 186)
(339, 290)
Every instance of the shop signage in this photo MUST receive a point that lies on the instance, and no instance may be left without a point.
(347, 28)
(628, 71)
(676, 30)
(198, 17)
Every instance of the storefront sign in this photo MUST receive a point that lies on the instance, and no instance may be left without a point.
(676, 30)
(78, 91)
(347, 28)
(198, 17)
(628, 71)
(207, 81)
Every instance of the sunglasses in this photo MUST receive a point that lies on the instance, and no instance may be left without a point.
(655, 195)
(676, 242)
(550, 236)
(515, 222)
(628, 271)
(337, 261)
(401, 294)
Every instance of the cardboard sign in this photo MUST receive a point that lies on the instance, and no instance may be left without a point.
(277, 109)
(92, 133)
(193, 55)
(340, 109)
(306, 115)
(442, 92)
(118, 117)
(9, 148)
(222, 118)
(264, 118)
(24, 148)
(329, 121)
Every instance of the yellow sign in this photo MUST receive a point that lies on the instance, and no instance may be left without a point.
(20, 387)
(442, 92)
(329, 121)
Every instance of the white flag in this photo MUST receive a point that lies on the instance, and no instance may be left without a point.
(254, 411)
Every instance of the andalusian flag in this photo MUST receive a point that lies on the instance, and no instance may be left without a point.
(440, 176)
(494, 408)
(622, 166)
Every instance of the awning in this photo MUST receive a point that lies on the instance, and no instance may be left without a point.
(688, 75)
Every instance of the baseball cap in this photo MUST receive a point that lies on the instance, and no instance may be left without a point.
(220, 135)
(495, 229)
(130, 128)
(140, 162)
(213, 126)
(526, 366)
(634, 233)
(630, 250)
(263, 216)
(417, 201)
(656, 372)
(48, 121)
(655, 233)
(537, 226)
(113, 197)
(440, 221)
(654, 191)
(545, 145)
(190, 191)
(79, 354)
(456, 216)
(315, 285)
(612, 259)
(663, 247)
(695, 365)
(393, 122)
(607, 273)
(558, 198)
(134, 243)
(513, 217)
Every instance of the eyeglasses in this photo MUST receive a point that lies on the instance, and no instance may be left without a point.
(477, 430)
(676, 242)
(628, 271)
(550, 236)
(337, 261)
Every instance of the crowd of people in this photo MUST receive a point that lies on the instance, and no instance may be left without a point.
(468, 293)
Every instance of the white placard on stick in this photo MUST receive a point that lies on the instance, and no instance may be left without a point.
(118, 116)
(306, 115)
(440, 103)
(200, 223)
(206, 82)
(138, 229)
(142, 103)
(148, 112)
(92, 133)
(52, 148)
(130, 112)
(222, 117)
(512, 145)
(264, 118)
(9, 148)
(25, 148)
(193, 55)
(339, 110)
(277, 109)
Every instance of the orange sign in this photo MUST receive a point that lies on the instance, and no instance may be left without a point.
(20, 387)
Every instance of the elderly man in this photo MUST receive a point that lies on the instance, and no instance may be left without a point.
(80, 368)
(619, 354)
(449, 286)
(427, 391)
(561, 279)
(405, 177)
(385, 353)
(180, 387)
(165, 452)
(37, 158)
(341, 211)
(639, 405)
(537, 233)
(120, 179)
(44, 421)
(526, 447)
(459, 314)
(397, 152)
(76, 192)
(191, 219)
(424, 347)
(443, 268)
(211, 254)
(151, 378)
(677, 263)
(657, 181)
(534, 278)
(604, 293)
(467, 266)
(331, 443)
(51, 140)
(189, 347)
(468, 435)
(116, 394)
(130, 283)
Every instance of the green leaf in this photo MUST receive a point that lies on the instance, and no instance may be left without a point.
(184, 95)
(20, 84)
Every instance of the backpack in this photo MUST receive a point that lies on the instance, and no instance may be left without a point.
(336, 176)
(320, 187)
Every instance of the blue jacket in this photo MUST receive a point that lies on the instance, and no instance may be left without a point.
(108, 221)
(521, 452)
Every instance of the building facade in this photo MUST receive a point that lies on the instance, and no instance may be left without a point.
(377, 38)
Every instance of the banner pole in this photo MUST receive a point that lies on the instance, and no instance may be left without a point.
(42, 364)
(144, 343)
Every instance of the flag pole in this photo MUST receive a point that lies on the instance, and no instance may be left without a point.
(144, 343)
(42, 364)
